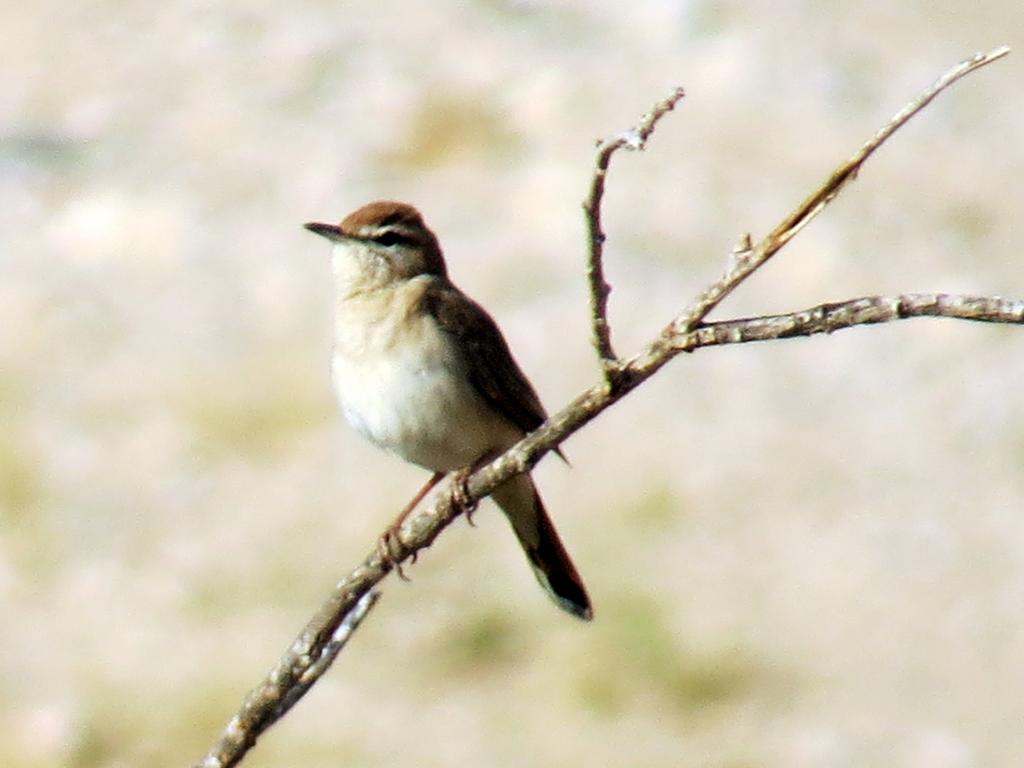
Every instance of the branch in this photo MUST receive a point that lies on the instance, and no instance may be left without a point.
(869, 310)
(311, 654)
(747, 259)
(636, 139)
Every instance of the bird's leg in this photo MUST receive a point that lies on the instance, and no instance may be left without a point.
(389, 543)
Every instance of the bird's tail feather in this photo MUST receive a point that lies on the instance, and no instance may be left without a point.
(551, 563)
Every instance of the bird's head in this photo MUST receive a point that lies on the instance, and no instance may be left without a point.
(381, 243)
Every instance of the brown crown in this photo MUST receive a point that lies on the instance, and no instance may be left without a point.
(382, 213)
(374, 220)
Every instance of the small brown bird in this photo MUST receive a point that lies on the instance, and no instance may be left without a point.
(423, 371)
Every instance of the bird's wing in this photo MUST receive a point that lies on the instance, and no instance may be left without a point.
(490, 366)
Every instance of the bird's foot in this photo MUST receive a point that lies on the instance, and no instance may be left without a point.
(389, 549)
(460, 492)
(389, 545)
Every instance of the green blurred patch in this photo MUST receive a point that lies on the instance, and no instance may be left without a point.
(40, 149)
(125, 723)
(446, 127)
(971, 223)
(641, 657)
(21, 485)
(709, 18)
(253, 411)
(483, 641)
(658, 508)
(273, 583)
(215, 598)
(256, 428)
(29, 540)
(122, 723)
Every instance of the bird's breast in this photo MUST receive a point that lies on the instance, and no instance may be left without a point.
(402, 384)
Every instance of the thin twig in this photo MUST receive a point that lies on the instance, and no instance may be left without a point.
(743, 264)
(636, 139)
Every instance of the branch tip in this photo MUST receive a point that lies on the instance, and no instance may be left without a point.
(739, 269)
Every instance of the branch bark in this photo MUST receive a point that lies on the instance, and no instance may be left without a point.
(312, 652)
(308, 657)
(636, 139)
(748, 258)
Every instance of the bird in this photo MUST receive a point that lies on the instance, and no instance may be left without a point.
(423, 371)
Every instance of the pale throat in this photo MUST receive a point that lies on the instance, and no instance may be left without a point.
(376, 317)
(357, 269)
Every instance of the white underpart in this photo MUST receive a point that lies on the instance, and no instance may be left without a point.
(400, 379)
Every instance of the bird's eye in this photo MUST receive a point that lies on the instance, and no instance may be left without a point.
(390, 237)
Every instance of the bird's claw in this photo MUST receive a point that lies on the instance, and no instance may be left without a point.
(389, 548)
(461, 495)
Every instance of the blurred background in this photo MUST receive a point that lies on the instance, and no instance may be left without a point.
(804, 553)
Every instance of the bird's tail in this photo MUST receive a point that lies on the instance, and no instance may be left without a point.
(547, 555)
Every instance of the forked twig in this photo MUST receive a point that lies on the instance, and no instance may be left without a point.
(747, 260)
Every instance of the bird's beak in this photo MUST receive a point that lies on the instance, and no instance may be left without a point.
(330, 231)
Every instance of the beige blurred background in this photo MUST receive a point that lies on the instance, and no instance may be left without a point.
(806, 553)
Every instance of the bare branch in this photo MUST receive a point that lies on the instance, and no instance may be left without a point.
(744, 264)
(636, 139)
(310, 655)
(421, 530)
(312, 652)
